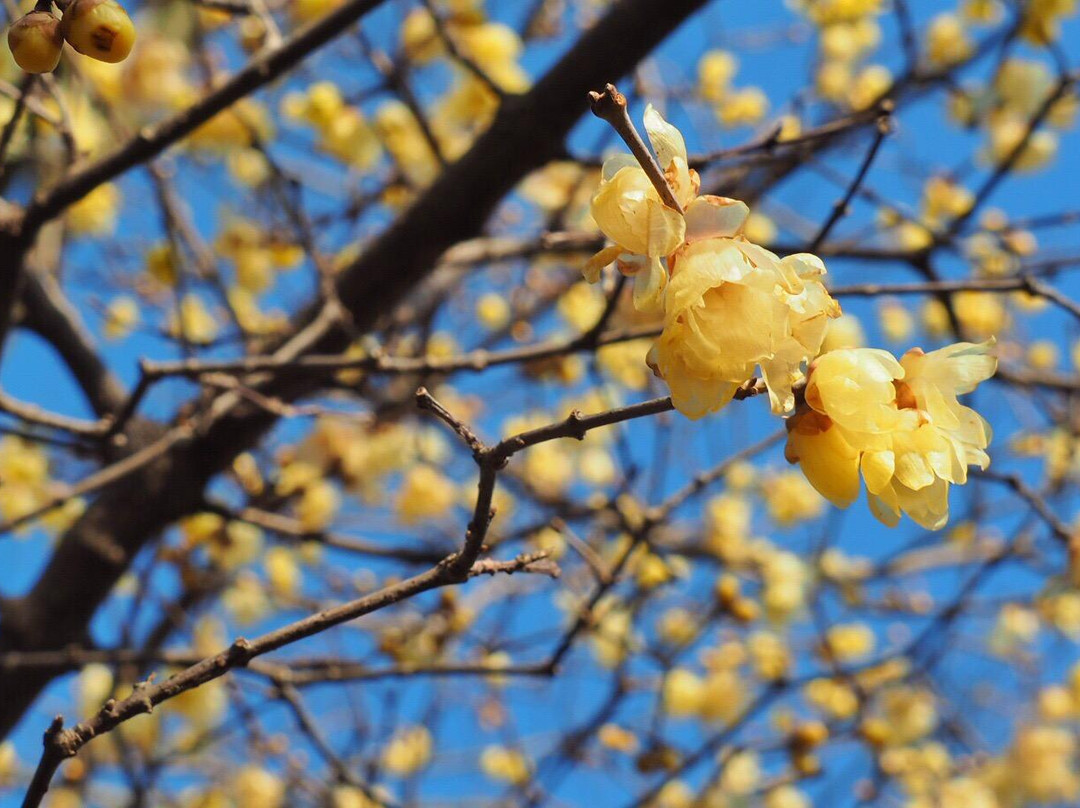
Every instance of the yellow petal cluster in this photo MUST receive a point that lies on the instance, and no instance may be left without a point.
(729, 306)
(732, 306)
(343, 131)
(899, 424)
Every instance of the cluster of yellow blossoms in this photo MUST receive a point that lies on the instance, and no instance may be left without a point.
(730, 306)
(733, 107)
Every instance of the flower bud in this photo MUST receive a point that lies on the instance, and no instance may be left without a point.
(35, 41)
(100, 29)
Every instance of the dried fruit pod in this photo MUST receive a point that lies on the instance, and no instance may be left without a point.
(100, 29)
(36, 42)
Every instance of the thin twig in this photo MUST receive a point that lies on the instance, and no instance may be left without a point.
(842, 207)
(610, 106)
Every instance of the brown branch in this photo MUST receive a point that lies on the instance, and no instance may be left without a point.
(33, 414)
(842, 207)
(61, 743)
(1060, 530)
(610, 106)
(26, 86)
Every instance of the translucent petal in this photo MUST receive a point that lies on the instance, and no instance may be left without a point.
(929, 506)
(649, 287)
(666, 140)
(715, 217)
(629, 212)
(913, 470)
(595, 265)
(696, 397)
(877, 470)
(885, 513)
(614, 164)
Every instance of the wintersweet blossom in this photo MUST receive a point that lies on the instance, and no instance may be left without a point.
(729, 306)
(732, 306)
(899, 424)
(629, 210)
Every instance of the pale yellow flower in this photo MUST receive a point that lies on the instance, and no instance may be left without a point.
(629, 211)
(947, 40)
(716, 69)
(898, 423)
(408, 751)
(732, 306)
(683, 693)
(503, 764)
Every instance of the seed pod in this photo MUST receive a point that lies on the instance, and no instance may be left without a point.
(100, 29)
(35, 41)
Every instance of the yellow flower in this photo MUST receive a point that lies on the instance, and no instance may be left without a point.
(36, 42)
(425, 494)
(947, 40)
(833, 697)
(9, 763)
(784, 581)
(1023, 86)
(257, 788)
(785, 797)
(770, 655)
(895, 320)
(854, 388)
(790, 499)
(419, 36)
(317, 506)
(96, 213)
(716, 69)
(100, 29)
(344, 797)
(1041, 19)
(193, 322)
(898, 423)
(683, 693)
(629, 211)
(833, 80)
(849, 642)
(618, 738)
(983, 12)
(741, 773)
(121, 316)
(408, 751)
(493, 311)
(673, 794)
(743, 107)
(1042, 760)
(845, 331)
(282, 572)
(723, 696)
(732, 306)
(1009, 131)
(403, 138)
(506, 765)
(944, 200)
(870, 84)
(829, 12)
